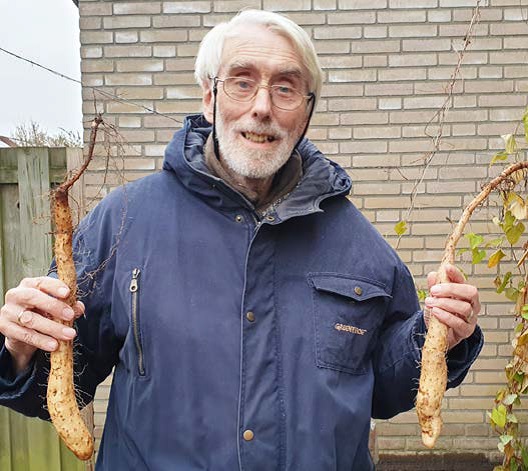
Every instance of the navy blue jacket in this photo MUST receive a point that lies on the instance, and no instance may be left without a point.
(297, 326)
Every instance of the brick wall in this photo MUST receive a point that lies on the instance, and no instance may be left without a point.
(387, 64)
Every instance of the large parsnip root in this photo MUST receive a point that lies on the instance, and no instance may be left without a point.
(433, 376)
(62, 404)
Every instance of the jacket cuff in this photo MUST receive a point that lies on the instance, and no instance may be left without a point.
(459, 358)
(13, 385)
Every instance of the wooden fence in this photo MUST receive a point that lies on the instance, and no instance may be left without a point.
(26, 176)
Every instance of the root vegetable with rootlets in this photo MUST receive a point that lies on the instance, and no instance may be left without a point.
(433, 376)
(62, 403)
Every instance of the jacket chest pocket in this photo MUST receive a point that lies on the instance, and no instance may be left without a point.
(348, 312)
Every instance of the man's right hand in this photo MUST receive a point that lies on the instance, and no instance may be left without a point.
(27, 318)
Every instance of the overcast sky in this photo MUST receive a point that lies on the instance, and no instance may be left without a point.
(47, 32)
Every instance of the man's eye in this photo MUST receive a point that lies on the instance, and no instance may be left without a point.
(284, 90)
(243, 85)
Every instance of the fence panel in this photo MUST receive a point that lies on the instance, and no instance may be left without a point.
(26, 176)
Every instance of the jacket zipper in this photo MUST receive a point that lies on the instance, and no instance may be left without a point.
(134, 289)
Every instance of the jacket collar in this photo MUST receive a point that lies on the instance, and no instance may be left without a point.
(321, 178)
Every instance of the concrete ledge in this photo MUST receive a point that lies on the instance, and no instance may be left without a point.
(444, 462)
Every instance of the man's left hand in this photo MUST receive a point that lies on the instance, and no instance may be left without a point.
(456, 304)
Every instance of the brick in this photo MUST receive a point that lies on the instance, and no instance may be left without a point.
(376, 189)
(412, 60)
(390, 103)
(126, 36)
(340, 62)
(286, 5)
(463, 130)
(179, 65)
(90, 23)
(340, 133)
(427, 45)
(344, 32)
(187, 7)
(128, 79)
(94, 52)
(117, 22)
(96, 37)
(129, 122)
(128, 51)
(94, 9)
(351, 18)
(348, 104)
(139, 65)
(325, 4)
(175, 21)
(152, 36)
(364, 132)
(179, 106)
(166, 51)
(402, 16)
(433, 88)
(364, 117)
(515, 71)
(410, 145)
(140, 93)
(486, 14)
(372, 60)
(451, 58)
(410, 117)
(489, 86)
(375, 32)
(352, 75)
(413, 31)
(383, 160)
(423, 102)
(137, 8)
(413, 4)
(184, 92)
(97, 65)
(361, 4)
(331, 47)
(439, 16)
(235, 6)
(402, 74)
(363, 147)
(490, 72)
(514, 14)
(367, 47)
(461, 30)
(507, 29)
(445, 73)
(119, 107)
(382, 89)
(174, 79)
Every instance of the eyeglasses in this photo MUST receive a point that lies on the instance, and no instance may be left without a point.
(244, 90)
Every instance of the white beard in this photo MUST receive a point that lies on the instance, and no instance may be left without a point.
(254, 163)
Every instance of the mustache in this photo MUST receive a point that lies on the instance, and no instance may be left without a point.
(260, 128)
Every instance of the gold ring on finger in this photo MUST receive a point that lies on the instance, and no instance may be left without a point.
(23, 320)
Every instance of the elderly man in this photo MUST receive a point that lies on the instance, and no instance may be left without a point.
(254, 318)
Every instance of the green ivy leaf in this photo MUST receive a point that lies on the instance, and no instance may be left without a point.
(501, 285)
(505, 439)
(510, 144)
(494, 243)
(422, 294)
(496, 258)
(512, 418)
(478, 256)
(511, 293)
(498, 415)
(514, 233)
(400, 228)
(509, 400)
(524, 454)
(474, 240)
(499, 156)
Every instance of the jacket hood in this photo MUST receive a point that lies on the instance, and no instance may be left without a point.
(321, 178)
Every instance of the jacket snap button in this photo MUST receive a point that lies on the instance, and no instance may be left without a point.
(248, 435)
(250, 316)
(239, 218)
(270, 218)
(358, 291)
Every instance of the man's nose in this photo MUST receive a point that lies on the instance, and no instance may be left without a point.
(262, 103)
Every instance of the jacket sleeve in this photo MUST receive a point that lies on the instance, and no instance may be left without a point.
(96, 346)
(397, 358)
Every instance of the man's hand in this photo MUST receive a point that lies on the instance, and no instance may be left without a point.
(26, 318)
(456, 304)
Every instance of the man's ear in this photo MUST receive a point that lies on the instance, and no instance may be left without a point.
(207, 102)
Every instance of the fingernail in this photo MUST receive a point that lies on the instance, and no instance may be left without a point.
(68, 313)
(429, 301)
(52, 345)
(69, 332)
(435, 289)
(63, 291)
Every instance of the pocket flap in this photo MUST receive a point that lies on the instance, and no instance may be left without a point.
(356, 288)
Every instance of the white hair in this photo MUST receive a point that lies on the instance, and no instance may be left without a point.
(210, 52)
